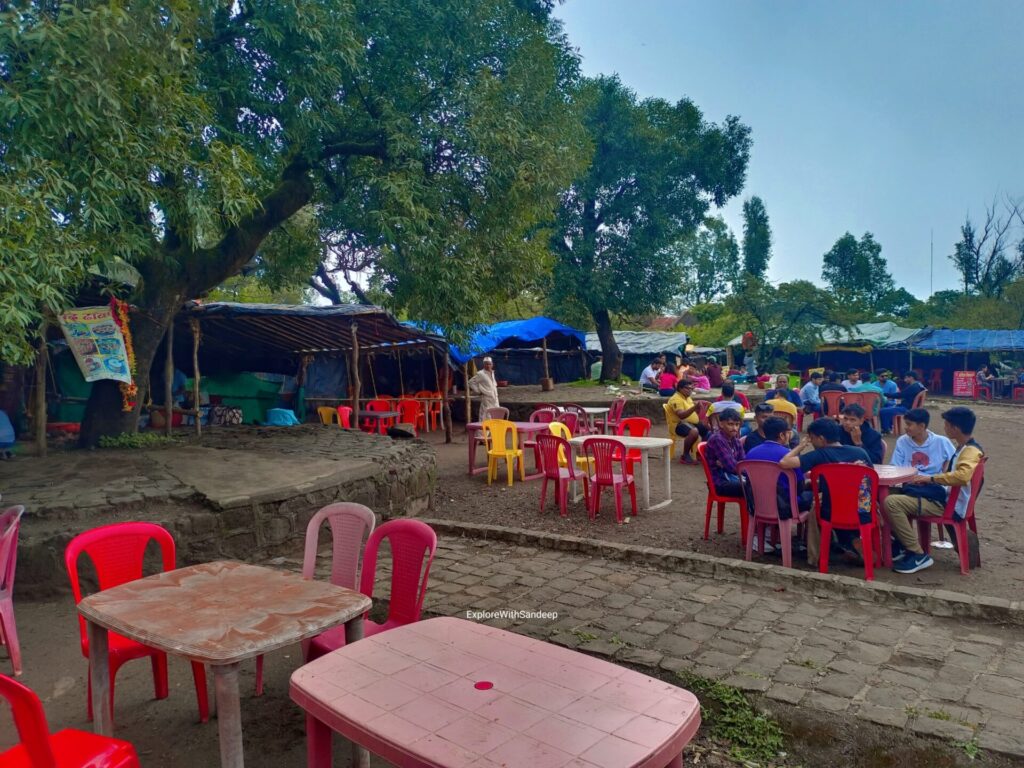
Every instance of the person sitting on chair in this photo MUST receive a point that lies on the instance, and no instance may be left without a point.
(775, 446)
(723, 451)
(809, 393)
(911, 389)
(689, 427)
(857, 432)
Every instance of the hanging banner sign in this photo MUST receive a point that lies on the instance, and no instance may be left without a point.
(97, 343)
(963, 383)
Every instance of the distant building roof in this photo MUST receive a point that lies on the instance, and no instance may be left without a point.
(642, 342)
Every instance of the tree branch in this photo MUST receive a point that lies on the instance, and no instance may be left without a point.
(349, 148)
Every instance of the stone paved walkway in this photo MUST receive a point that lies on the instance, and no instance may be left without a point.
(950, 678)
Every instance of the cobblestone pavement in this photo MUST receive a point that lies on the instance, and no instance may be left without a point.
(953, 679)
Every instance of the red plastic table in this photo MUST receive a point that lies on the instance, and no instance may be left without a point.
(220, 614)
(888, 476)
(450, 693)
(522, 428)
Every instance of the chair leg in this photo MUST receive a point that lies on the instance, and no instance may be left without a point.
(509, 460)
(632, 496)
(562, 489)
(750, 546)
(961, 546)
(867, 537)
(924, 535)
(544, 492)
(707, 520)
(786, 540)
(522, 468)
(159, 664)
(202, 695)
(826, 540)
(744, 525)
(259, 676)
(617, 492)
(721, 516)
(9, 632)
(596, 499)
(586, 493)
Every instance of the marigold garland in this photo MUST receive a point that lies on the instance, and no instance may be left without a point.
(129, 391)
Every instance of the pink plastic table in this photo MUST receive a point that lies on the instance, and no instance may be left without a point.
(888, 476)
(220, 614)
(449, 693)
(522, 427)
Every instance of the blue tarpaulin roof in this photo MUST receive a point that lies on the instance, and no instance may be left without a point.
(962, 340)
(519, 333)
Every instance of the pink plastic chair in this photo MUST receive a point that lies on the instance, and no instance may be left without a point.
(832, 403)
(349, 524)
(634, 426)
(583, 423)
(714, 497)
(762, 477)
(412, 542)
(960, 527)
(871, 402)
(897, 420)
(571, 420)
(611, 423)
(38, 748)
(496, 412)
(344, 417)
(10, 522)
(605, 453)
(844, 491)
(412, 413)
(117, 552)
(550, 447)
(539, 416)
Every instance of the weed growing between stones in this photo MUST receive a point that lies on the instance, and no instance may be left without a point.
(139, 440)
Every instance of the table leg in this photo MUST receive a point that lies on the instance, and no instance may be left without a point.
(886, 534)
(229, 715)
(354, 633)
(99, 671)
(645, 470)
(471, 447)
(318, 744)
(666, 458)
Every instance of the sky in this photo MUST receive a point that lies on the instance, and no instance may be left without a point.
(896, 118)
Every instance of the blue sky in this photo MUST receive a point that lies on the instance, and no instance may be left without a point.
(897, 118)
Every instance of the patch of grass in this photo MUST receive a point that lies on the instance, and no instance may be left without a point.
(618, 640)
(970, 748)
(911, 711)
(136, 441)
(940, 714)
(731, 717)
(807, 663)
(584, 637)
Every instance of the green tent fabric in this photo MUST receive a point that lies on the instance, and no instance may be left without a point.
(74, 389)
(243, 390)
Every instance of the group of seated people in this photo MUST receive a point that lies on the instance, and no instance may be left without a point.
(941, 462)
(662, 376)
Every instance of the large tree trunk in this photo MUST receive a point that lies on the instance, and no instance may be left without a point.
(611, 357)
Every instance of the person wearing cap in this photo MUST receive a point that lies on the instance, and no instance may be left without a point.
(485, 386)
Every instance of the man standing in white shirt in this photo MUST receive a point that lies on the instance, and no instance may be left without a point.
(485, 386)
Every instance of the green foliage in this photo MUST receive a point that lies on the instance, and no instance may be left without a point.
(858, 276)
(729, 716)
(709, 259)
(757, 238)
(947, 308)
(716, 325)
(970, 748)
(137, 441)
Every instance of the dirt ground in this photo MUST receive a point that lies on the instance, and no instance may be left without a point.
(681, 524)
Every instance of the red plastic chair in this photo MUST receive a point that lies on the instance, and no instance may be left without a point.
(539, 416)
(584, 426)
(412, 542)
(935, 381)
(349, 524)
(714, 497)
(960, 527)
(380, 425)
(412, 413)
(571, 420)
(762, 477)
(897, 420)
(634, 426)
(38, 748)
(832, 404)
(844, 489)
(551, 448)
(871, 402)
(1018, 393)
(10, 522)
(117, 552)
(605, 453)
(344, 417)
(611, 422)
(432, 404)
(982, 390)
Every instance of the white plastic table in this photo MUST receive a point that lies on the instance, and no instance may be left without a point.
(645, 446)
(598, 411)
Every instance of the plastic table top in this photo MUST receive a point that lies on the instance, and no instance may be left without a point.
(891, 474)
(450, 692)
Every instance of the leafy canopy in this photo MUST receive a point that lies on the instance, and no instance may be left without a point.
(709, 259)
(858, 275)
(757, 237)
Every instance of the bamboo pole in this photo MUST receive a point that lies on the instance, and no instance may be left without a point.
(169, 379)
(469, 401)
(442, 390)
(544, 346)
(40, 403)
(401, 379)
(871, 360)
(194, 322)
(354, 365)
(373, 379)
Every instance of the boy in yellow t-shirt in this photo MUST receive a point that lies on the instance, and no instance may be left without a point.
(688, 427)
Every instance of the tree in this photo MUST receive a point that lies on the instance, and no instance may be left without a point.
(985, 259)
(656, 170)
(757, 238)
(438, 131)
(709, 259)
(858, 275)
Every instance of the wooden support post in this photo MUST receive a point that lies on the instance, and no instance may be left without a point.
(871, 360)
(40, 403)
(469, 402)
(729, 361)
(169, 379)
(544, 346)
(194, 322)
(373, 378)
(354, 365)
(401, 379)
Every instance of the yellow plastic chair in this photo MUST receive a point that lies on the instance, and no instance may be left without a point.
(502, 441)
(558, 429)
(327, 415)
(672, 420)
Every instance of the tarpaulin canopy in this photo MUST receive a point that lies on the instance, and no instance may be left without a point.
(864, 336)
(642, 342)
(519, 334)
(962, 340)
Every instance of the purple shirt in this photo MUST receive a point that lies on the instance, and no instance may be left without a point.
(722, 454)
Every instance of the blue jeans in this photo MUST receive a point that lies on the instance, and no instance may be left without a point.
(887, 416)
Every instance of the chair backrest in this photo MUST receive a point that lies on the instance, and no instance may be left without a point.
(701, 447)
(344, 417)
(571, 420)
(553, 452)
(10, 522)
(497, 434)
(117, 552)
(605, 452)
(833, 402)
(762, 478)
(412, 542)
(919, 400)
(378, 404)
(349, 523)
(634, 426)
(670, 417)
(618, 406)
(30, 720)
(548, 406)
(977, 481)
(327, 414)
(496, 412)
(869, 401)
(410, 410)
(543, 416)
(845, 489)
(424, 393)
(560, 429)
(583, 422)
